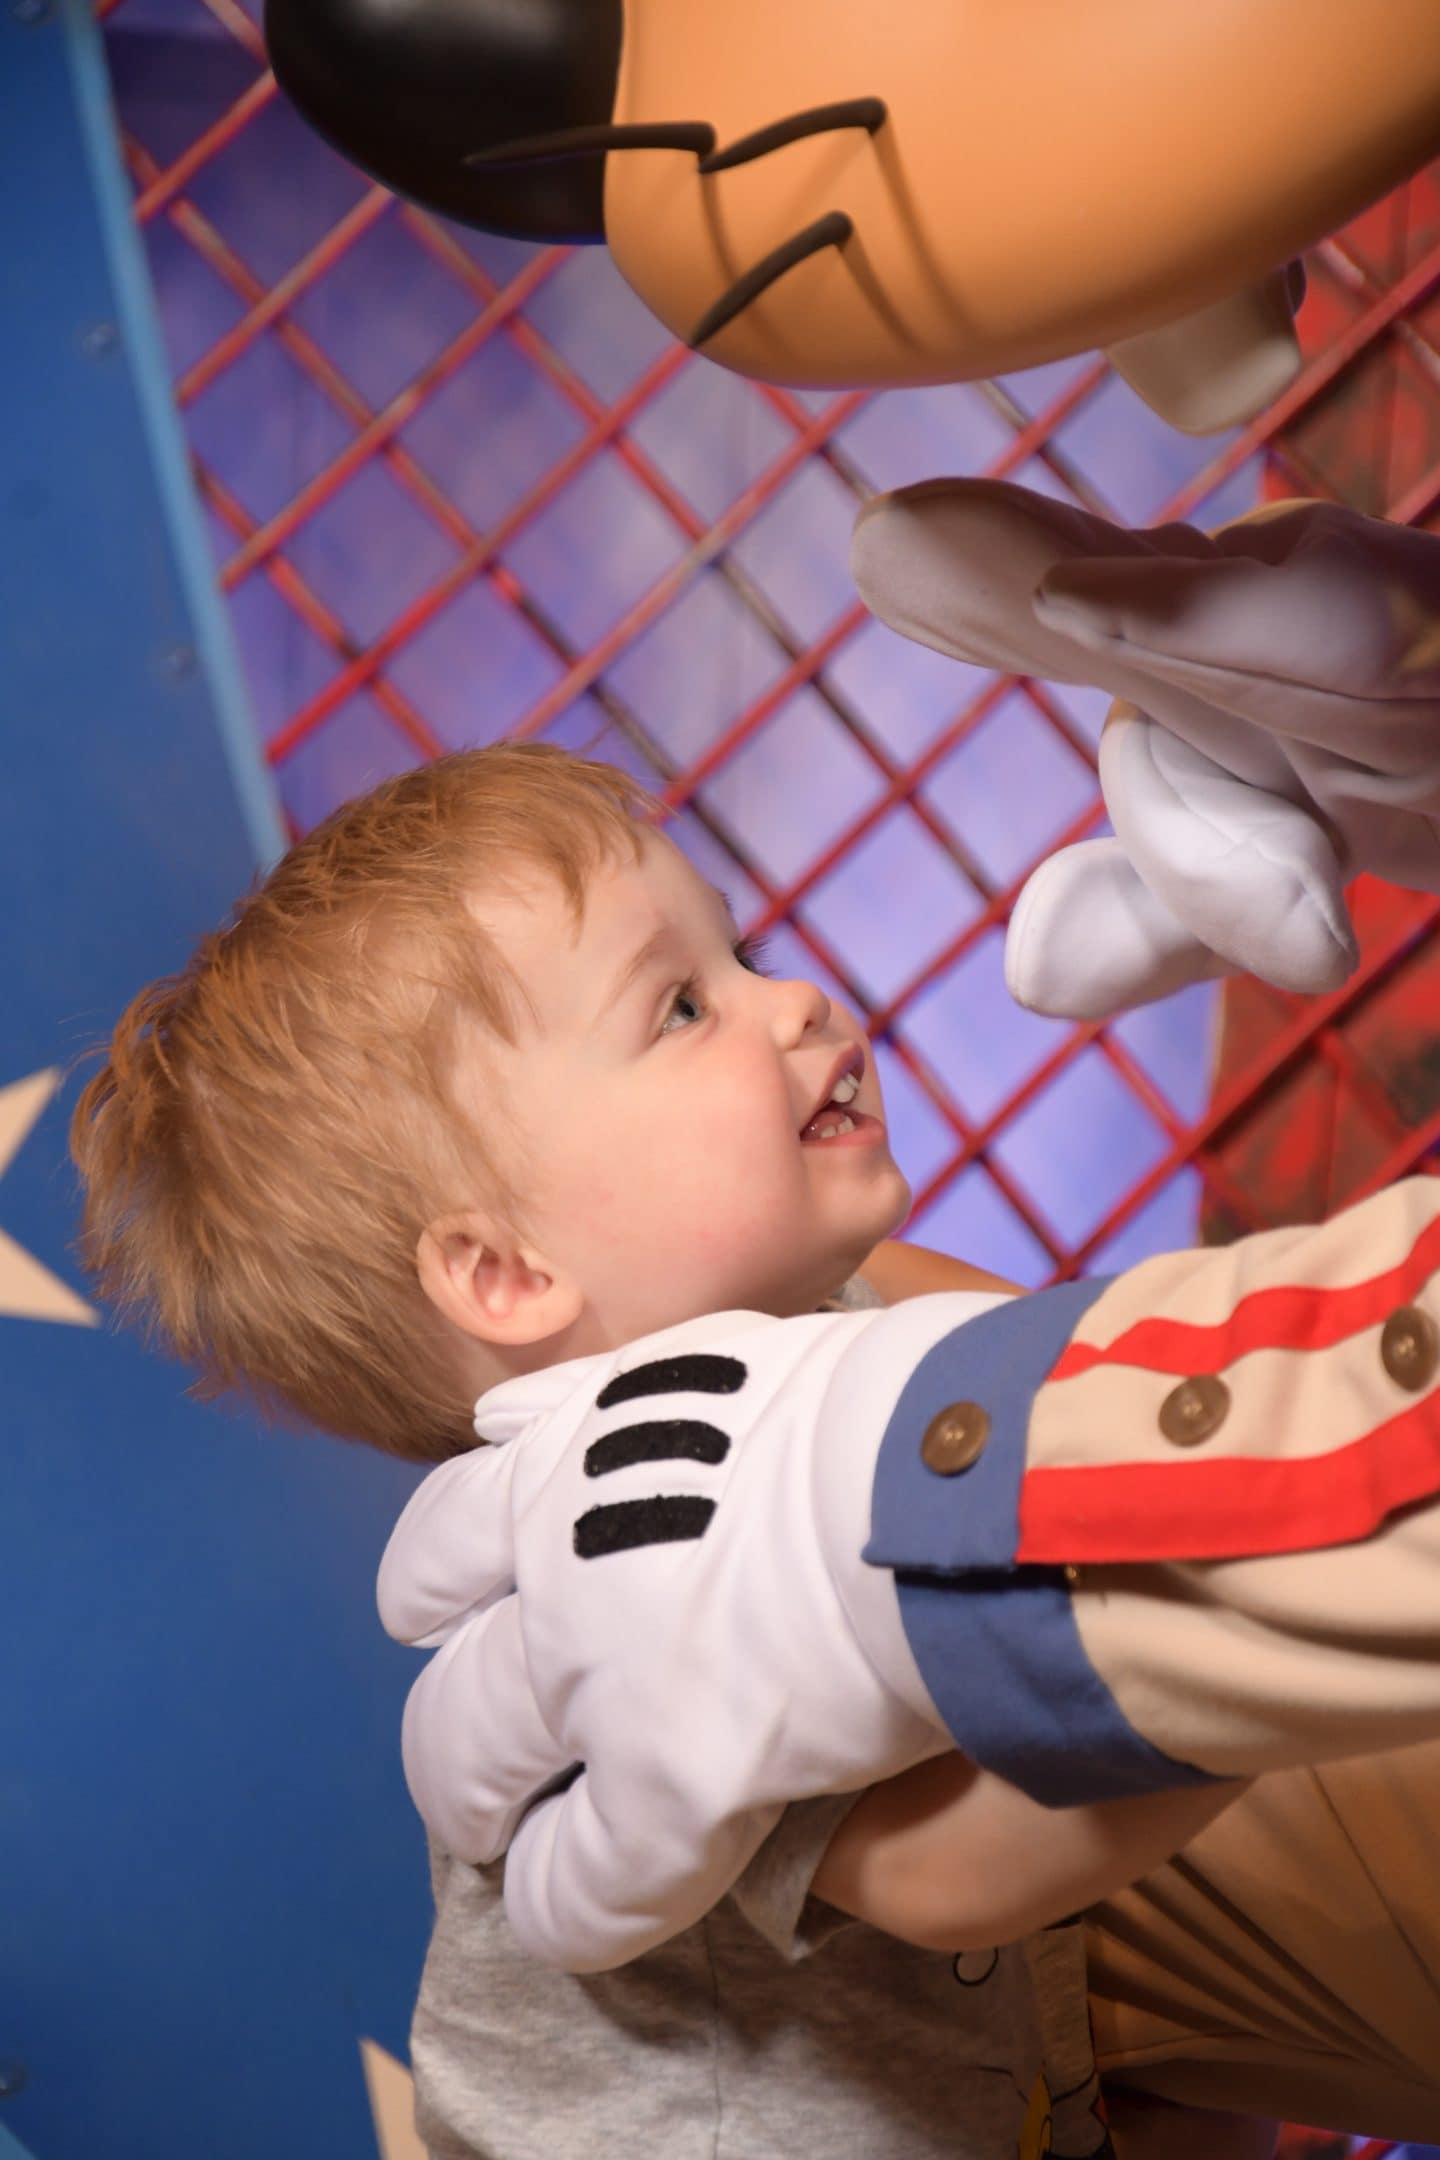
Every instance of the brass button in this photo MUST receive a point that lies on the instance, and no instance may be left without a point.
(1410, 1348)
(955, 1438)
(1194, 1410)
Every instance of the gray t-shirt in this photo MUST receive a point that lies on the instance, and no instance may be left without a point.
(775, 2026)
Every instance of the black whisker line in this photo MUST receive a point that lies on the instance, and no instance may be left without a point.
(579, 142)
(696, 1372)
(658, 1440)
(865, 112)
(622, 1525)
(832, 230)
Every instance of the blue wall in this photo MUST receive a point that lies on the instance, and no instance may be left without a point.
(211, 1880)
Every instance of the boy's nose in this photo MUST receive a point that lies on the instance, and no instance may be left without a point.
(801, 1008)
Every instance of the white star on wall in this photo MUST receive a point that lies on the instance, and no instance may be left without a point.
(29, 1291)
(392, 2103)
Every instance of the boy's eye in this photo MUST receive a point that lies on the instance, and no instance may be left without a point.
(687, 1006)
(685, 1009)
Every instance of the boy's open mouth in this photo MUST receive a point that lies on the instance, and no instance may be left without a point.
(836, 1117)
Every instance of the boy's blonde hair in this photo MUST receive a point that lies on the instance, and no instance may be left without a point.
(274, 1127)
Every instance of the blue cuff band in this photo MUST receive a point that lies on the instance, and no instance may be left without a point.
(996, 1644)
(920, 1519)
(1007, 1671)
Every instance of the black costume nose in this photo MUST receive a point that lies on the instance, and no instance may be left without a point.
(409, 89)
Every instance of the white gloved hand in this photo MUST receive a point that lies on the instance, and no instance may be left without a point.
(653, 1581)
(1278, 730)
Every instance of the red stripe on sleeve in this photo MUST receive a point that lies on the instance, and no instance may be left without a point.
(1231, 1507)
(1287, 1317)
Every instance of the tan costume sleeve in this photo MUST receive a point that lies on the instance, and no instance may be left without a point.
(1281, 1420)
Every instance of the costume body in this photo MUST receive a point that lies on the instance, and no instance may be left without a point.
(1186, 1547)
(1287, 1963)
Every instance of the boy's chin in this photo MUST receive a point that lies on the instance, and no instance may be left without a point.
(892, 1206)
(878, 1222)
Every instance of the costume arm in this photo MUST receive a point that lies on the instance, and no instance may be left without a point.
(1117, 1538)
(1197, 1525)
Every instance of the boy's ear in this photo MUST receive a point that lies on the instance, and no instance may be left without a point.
(491, 1286)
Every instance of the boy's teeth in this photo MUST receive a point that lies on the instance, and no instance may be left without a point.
(834, 1128)
(846, 1090)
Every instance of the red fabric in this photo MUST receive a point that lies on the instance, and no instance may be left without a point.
(1225, 1507)
(1284, 1318)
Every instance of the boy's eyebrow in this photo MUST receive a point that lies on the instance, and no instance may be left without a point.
(658, 939)
(636, 965)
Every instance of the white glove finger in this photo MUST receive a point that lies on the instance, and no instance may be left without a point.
(451, 1553)
(1251, 876)
(1221, 365)
(586, 1889)
(475, 1747)
(1087, 938)
(1321, 647)
(954, 564)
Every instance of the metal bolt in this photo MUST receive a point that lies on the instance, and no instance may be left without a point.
(101, 339)
(12, 2076)
(176, 663)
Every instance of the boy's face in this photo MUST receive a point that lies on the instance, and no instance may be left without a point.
(664, 1097)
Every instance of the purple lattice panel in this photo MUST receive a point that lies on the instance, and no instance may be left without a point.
(463, 489)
